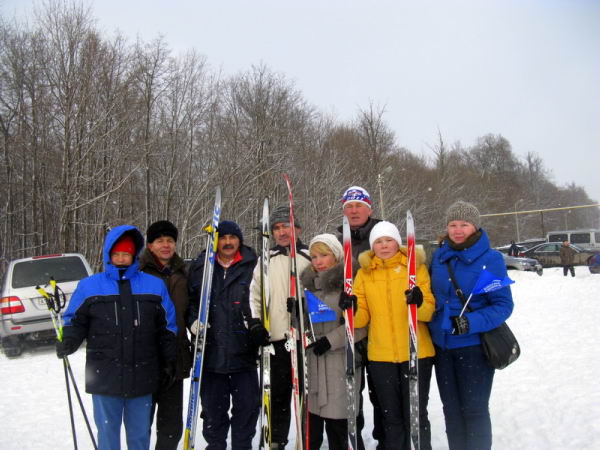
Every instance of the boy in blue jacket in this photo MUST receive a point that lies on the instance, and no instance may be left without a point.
(128, 321)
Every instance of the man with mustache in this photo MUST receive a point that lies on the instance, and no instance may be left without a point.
(279, 285)
(230, 358)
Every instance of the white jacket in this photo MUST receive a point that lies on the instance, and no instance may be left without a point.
(279, 285)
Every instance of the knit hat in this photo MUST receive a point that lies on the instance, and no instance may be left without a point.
(463, 211)
(384, 228)
(232, 228)
(160, 229)
(357, 194)
(281, 214)
(124, 244)
(330, 241)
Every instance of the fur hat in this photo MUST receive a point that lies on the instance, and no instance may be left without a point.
(357, 194)
(384, 228)
(330, 241)
(281, 214)
(232, 228)
(124, 244)
(463, 211)
(161, 228)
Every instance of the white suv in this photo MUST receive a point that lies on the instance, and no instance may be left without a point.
(24, 315)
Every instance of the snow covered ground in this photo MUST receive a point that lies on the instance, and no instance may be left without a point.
(548, 399)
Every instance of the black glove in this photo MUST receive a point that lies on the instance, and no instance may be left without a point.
(414, 296)
(320, 346)
(460, 325)
(62, 349)
(259, 336)
(167, 376)
(346, 301)
(291, 303)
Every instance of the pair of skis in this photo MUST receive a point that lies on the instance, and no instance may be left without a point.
(189, 436)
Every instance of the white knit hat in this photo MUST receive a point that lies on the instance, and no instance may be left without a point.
(330, 241)
(384, 228)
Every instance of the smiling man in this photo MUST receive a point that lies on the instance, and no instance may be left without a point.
(161, 260)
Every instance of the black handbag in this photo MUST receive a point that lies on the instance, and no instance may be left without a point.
(499, 345)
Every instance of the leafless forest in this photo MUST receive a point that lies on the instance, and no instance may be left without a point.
(99, 131)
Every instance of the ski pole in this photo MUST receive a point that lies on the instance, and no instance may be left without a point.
(55, 305)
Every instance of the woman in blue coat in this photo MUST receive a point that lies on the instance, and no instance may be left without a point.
(463, 374)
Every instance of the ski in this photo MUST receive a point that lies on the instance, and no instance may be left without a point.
(413, 368)
(296, 332)
(266, 351)
(200, 341)
(349, 325)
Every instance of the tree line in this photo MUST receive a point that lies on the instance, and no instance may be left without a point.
(100, 131)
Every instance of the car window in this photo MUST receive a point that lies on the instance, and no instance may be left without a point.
(559, 237)
(39, 271)
(580, 238)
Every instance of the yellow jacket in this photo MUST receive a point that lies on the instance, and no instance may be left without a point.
(380, 286)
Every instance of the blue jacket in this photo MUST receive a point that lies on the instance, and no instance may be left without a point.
(490, 310)
(228, 347)
(128, 322)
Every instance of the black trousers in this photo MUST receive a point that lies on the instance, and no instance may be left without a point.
(168, 405)
(568, 268)
(281, 393)
(391, 383)
(220, 392)
(336, 429)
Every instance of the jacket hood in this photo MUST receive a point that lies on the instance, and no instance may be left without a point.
(368, 261)
(468, 255)
(331, 280)
(111, 238)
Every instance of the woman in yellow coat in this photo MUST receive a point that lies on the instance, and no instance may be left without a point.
(381, 289)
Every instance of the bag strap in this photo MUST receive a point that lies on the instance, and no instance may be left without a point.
(457, 289)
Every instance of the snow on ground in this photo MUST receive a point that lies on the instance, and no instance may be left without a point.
(548, 399)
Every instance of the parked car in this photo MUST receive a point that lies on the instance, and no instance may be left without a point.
(523, 245)
(594, 264)
(527, 264)
(548, 254)
(24, 315)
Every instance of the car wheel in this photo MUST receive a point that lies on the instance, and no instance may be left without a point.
(540, 272)
(12, 346)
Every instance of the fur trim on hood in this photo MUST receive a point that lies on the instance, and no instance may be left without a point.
(331, 280)
(366, 257)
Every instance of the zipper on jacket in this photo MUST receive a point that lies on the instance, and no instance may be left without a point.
(137, 322)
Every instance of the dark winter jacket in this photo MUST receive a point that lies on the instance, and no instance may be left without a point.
(128, 321)
(228, 347)
(490, 310)
(175, 277)
(567, 255)
(360, 237)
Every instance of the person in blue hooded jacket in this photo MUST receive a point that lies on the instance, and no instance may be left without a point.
(127, 319)
(463, 374)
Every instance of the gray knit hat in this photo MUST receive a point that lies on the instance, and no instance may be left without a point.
(463, 211)
(281, 214)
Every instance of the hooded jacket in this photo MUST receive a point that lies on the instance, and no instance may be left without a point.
(380, 286)
(490, 310)
(228, 347)
(175, 277)
(128, 321)
(327, 373)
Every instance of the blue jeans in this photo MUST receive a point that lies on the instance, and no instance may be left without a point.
(111, 411)
(464, 379)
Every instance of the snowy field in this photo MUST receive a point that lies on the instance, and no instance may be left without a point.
(548, 399)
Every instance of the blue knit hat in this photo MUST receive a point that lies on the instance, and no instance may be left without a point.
(232, 228)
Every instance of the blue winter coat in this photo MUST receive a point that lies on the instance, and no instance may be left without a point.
(228, 347)
(129, 325)
(490, 310)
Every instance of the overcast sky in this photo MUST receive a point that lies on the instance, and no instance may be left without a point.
(528, 70)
